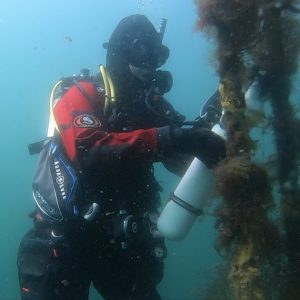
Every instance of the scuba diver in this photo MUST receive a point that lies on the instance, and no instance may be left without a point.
(97, 199)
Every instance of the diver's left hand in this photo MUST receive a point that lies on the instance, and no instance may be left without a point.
(206, 145)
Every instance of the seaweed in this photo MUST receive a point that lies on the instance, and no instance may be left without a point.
(257, 40)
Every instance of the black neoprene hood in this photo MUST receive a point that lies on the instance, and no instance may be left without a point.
(134, 41)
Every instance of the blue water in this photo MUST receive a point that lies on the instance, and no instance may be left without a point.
(44, 40)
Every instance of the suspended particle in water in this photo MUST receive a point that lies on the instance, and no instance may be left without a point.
(141, 3)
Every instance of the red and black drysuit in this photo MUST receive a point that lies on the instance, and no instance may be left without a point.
(116, 172)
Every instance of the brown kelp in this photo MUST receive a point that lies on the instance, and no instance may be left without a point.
(257, 40)
(277, 56)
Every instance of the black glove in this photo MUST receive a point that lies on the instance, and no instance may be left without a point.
(207, 146)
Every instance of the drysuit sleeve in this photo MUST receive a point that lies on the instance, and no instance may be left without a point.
(79, 116)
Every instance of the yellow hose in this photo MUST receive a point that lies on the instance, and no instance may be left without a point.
(112, 88)
(107, 88)
(110, 96)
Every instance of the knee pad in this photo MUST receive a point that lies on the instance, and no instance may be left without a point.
(34, 255)
(33, 260)
(45, 270)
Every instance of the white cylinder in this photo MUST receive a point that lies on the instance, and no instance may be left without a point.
(189, 198)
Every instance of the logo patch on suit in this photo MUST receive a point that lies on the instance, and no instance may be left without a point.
(86, 121)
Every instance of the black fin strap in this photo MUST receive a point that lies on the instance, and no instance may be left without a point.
(37, 147)
(185, 205)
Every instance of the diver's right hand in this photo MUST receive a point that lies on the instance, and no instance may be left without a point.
(206, 145)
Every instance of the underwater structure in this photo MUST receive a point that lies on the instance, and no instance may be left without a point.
(257, 53)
